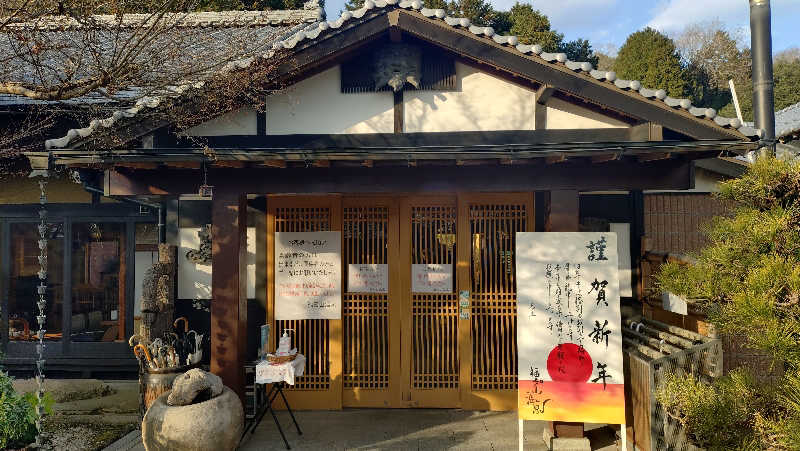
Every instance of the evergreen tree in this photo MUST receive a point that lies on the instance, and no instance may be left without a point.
(479, 12)
(747, 279)
(352, 5)
(435, 4)
(787, 83)
(533, 27)
(580, 50)
(786, 74)
(651, 57)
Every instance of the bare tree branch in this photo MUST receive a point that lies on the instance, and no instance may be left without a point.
(99, 56)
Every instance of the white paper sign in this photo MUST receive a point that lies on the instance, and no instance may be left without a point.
(674, 303)
(367, 278)
(432, 278)
(569, 331)
(308, 275)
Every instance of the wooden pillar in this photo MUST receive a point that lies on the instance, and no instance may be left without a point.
(228, 288)
(562, 211)
(563, 216)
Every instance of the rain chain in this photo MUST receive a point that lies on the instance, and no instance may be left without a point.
(44, 235)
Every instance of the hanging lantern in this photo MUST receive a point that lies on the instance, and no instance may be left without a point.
(205, 190)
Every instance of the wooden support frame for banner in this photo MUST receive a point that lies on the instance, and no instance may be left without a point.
(562, 215)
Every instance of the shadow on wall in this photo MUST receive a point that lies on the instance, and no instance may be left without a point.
(317, 105)
(481, 102)
(565, 115)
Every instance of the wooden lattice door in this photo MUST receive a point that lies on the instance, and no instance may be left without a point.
(371, 313)
(430, 354)
(487, 227)
(319, 339)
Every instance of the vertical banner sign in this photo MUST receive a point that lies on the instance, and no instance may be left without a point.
(308, 275)
(569, 327)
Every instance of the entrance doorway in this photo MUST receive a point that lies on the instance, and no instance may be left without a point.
(448, 345)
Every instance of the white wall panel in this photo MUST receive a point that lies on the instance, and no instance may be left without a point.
(194, 280)
(563, 115)
(240, 122)
(317, 105)
(483, 102)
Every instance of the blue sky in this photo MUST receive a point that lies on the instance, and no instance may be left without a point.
(606, 23)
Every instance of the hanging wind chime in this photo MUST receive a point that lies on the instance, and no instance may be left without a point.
(44, 236)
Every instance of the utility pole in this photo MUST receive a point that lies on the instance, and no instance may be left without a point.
(763, 83)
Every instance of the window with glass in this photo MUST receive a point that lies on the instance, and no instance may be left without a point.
(24, 280)
(98, 281)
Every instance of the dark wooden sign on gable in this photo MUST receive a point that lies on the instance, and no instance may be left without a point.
(438, 72)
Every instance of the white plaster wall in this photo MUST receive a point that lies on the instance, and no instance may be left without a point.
(563, 115)
(706, 181)
(194, 280)
(623, 231)
(240, 122)
(483, 102)
(317, 105)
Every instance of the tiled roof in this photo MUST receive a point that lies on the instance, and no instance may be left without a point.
(183, 42)
(202, 19)
(317, 30)
(787, 121)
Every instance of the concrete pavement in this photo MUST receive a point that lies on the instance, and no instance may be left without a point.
(395, 429)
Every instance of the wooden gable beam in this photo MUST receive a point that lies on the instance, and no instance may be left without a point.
(274, 163)
(553, 159)
(606, 157)
(395, 35)
(322, 53)
(139, 165)
(230, 163)
(674, 173)
(543, 93)
(653, 157)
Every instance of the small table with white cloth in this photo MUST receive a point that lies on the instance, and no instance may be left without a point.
(277, 375)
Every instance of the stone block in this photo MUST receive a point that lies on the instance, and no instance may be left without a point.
(564, 444)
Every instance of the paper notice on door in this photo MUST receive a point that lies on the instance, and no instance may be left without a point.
(367, 278)
(432, 278)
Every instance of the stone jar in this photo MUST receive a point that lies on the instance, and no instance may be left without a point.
(213, 425)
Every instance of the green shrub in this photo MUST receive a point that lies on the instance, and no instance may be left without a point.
(748, 281)
(18, 414)
(719, 416)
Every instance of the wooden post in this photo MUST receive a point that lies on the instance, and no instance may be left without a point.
(563, 216)
(228, 288)
(562, 211)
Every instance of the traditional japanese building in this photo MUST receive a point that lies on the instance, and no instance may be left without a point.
(423, 139)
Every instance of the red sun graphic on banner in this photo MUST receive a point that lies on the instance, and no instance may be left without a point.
(569, 362)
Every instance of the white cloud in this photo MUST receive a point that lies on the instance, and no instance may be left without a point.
(674, 15)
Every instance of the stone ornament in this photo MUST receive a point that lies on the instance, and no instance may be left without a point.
(194, 386)
(212, 418)
(158, 303)
(396, 64)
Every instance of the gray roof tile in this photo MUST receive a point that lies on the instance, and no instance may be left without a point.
(787, 121)
(204, 19)
(313, 31)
